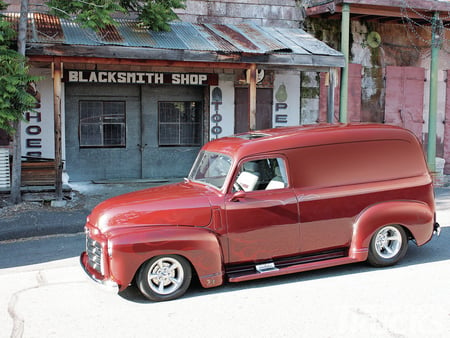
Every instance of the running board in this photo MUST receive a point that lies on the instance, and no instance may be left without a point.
(287, 265)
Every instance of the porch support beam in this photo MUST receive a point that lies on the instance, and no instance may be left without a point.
(345, 41)
(252, 97)
(57, 76)
(434, 68)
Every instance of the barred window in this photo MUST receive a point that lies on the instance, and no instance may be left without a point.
(102, 124)
(180, 123)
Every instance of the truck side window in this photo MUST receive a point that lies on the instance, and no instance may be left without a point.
(262, 174)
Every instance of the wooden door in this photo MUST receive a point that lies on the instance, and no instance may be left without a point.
(264, 103)
(404, 98)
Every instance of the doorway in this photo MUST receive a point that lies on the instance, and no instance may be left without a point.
(264, 102)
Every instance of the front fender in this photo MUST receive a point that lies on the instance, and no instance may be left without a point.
(129, 250)
(415, 216)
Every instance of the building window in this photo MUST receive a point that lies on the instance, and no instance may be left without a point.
(102, 124)
(180, 123)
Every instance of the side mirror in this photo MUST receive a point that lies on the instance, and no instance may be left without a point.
(237, 196)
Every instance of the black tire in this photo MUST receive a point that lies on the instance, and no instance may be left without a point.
(164, 277)
(387, 246)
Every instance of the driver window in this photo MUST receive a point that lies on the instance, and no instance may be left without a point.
(263, 174)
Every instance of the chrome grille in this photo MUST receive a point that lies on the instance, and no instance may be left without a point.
(94, 251)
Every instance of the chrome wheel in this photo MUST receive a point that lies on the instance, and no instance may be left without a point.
(164, 277)
(388, 245)
(388, 242)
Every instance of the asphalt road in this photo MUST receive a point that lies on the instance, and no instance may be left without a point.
(46, 294)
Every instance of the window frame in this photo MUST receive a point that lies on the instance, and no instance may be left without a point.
(102, 123)
(198, 123)
(281, 164)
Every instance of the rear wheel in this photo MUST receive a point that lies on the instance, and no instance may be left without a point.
(164, 277)
(387, 246)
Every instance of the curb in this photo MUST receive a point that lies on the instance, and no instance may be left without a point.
(29, 224)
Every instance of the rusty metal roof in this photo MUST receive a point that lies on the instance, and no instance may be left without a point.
(244, 39)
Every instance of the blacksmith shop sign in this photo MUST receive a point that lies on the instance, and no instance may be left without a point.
(143, 78)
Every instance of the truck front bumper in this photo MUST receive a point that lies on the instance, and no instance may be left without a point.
(436, 229)
(108, 284)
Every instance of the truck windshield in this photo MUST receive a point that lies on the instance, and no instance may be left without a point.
(210, 168)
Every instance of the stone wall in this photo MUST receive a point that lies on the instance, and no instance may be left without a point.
(277, 13)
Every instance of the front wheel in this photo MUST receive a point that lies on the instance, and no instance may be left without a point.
(387, 246)
(164, 277)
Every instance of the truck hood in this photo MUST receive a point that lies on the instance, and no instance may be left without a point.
(173, 204)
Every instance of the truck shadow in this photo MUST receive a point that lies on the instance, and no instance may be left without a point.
(435, 251)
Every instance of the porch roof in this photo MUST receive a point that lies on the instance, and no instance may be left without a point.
(242, 43)
(384, 11)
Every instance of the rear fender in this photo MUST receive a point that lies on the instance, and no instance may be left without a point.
(415, 216)
(133, 248)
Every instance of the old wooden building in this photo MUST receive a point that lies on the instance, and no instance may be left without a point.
(139, 104)
(133, 103)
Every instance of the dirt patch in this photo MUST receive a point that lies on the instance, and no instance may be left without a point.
(38, 201)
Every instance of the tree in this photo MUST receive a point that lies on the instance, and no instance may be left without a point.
(97, 14)
(14, 97)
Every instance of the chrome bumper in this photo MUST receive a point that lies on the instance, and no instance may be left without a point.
(436, 229)
(107, 284)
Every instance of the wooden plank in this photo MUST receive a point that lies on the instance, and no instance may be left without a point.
(38, 173)
(138, 62)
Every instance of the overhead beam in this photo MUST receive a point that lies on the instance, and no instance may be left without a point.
(384, 8)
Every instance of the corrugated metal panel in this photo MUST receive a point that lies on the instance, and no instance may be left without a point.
(76, 35)
(192, 37)
(110, 34)
(135, 35)
(221, 44)
(264, 40)
(285, 40)
(234, 37)
(299, 38)
(168, 40)
(47, 27)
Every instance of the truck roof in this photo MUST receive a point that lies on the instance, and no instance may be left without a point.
(272, 140)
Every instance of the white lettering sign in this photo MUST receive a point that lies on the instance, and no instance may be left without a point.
(86, 76)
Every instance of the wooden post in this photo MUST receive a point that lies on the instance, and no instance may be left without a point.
(57, 75)
(252, 97)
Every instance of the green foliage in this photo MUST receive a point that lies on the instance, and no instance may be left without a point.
(7, 34)
(154, 14)
(14, 80)
(94, 14)
(97, 14)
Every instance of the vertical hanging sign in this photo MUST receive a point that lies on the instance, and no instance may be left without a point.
(216, 118)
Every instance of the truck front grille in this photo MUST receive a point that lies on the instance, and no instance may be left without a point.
(94, 252)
